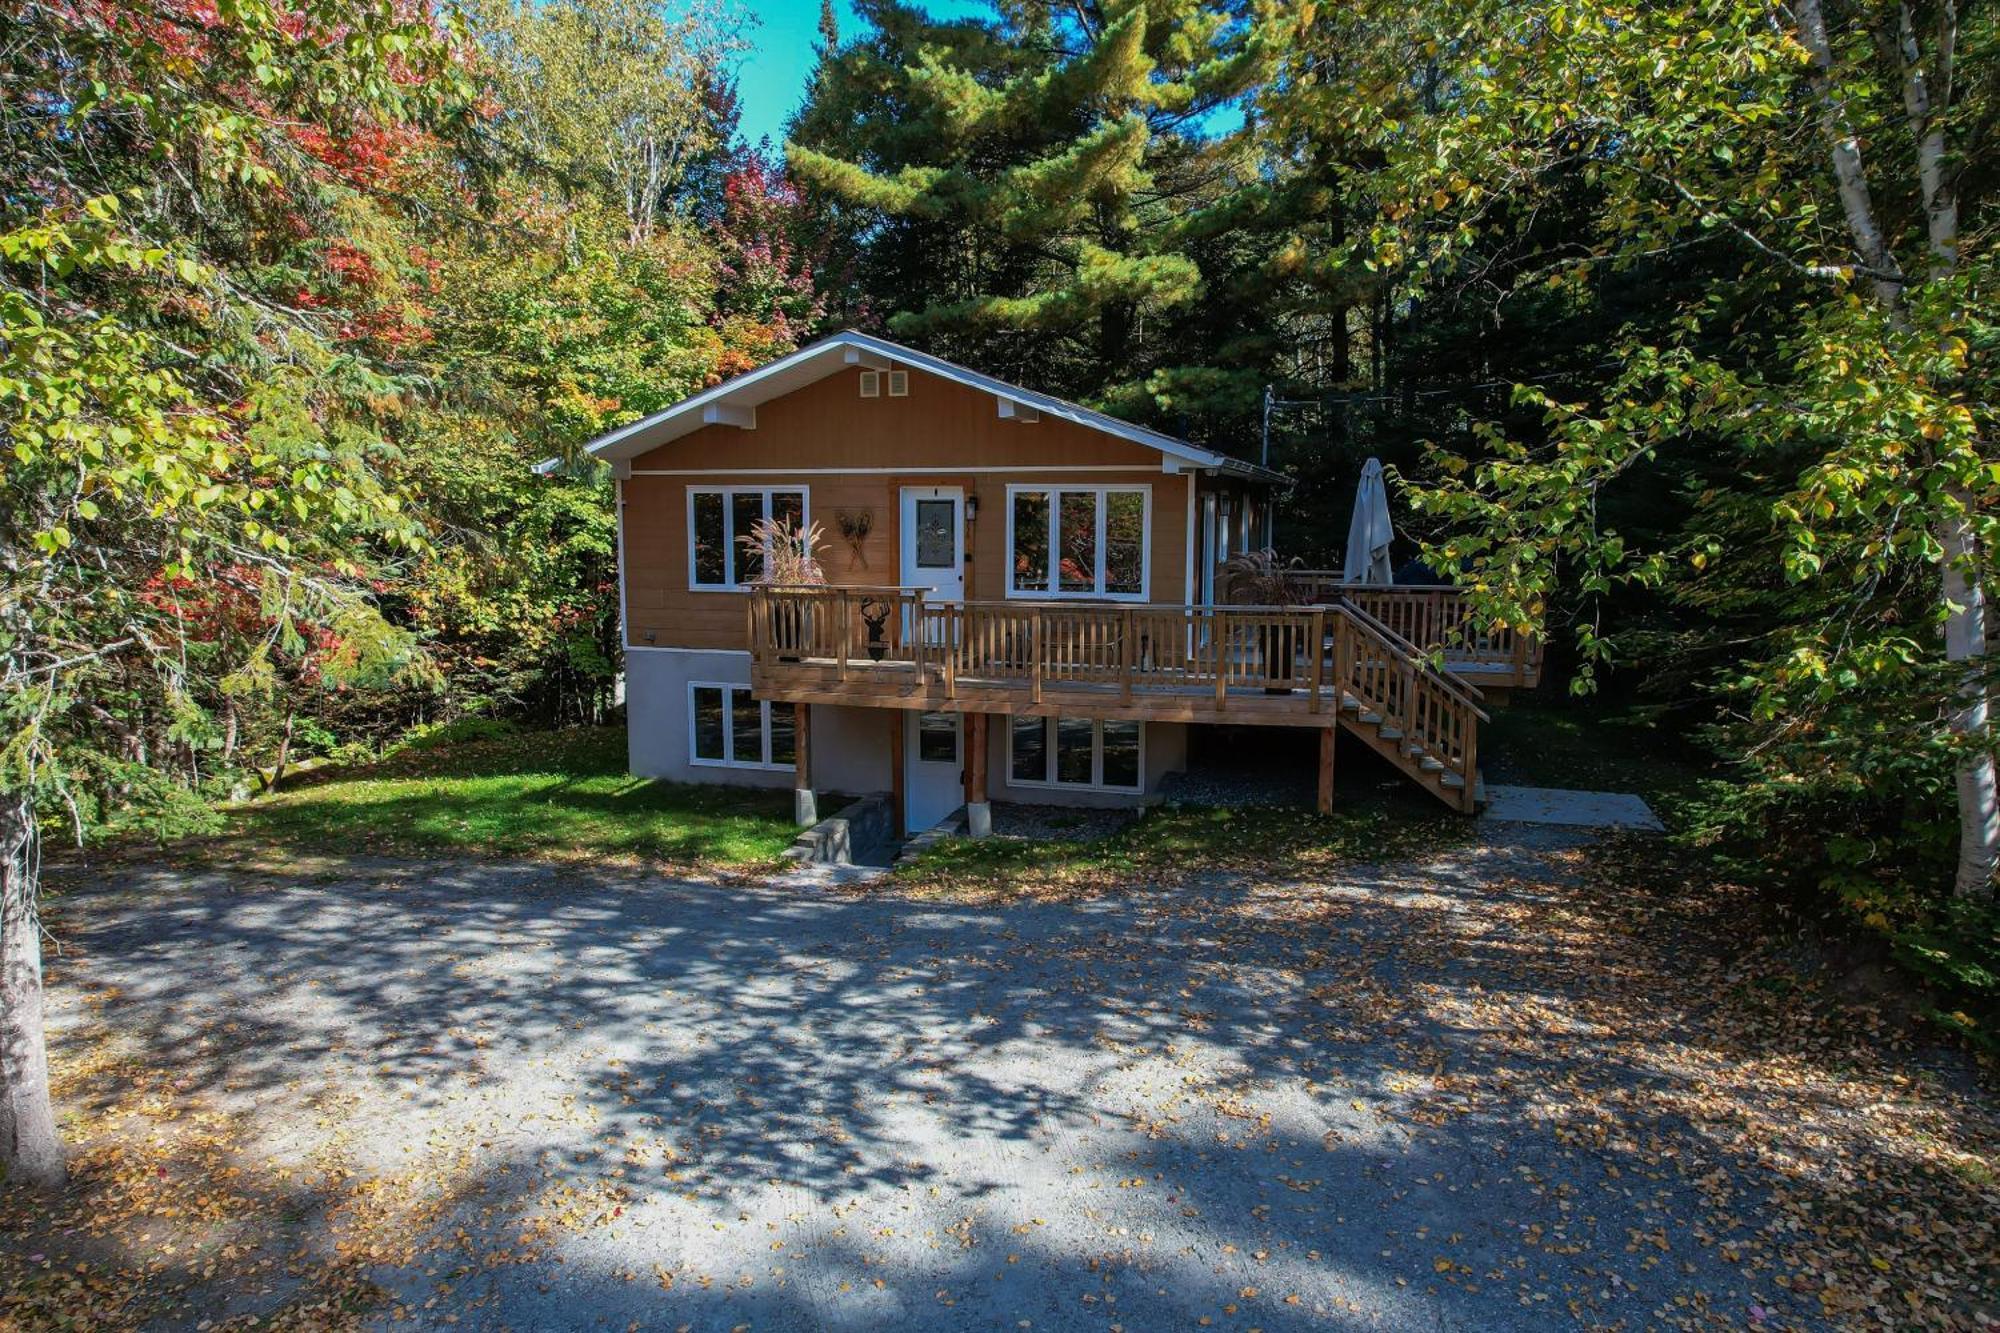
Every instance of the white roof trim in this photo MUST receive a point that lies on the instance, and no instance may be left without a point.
(812, 363)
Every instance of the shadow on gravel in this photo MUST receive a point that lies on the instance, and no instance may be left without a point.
(1442, 1095)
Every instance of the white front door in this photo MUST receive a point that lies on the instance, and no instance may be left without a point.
(934, 541)
(933, 768)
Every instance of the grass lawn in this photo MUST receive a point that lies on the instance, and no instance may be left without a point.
(1167, 843)
(542, 792)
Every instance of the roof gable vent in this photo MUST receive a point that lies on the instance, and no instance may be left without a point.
(899, 384)
(871, 384)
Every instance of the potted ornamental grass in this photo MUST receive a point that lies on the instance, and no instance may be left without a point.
(787, 556)
(1260, 578)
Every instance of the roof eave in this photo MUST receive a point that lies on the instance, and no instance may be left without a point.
(1179, 450)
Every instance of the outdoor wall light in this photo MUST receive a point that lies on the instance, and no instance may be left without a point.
(972, 504)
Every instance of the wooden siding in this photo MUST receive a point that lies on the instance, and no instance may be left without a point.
(828, 425)
(940, 423)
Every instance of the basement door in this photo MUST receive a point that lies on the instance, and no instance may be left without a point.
(933, 769)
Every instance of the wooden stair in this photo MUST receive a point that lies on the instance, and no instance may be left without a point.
(1423, 720)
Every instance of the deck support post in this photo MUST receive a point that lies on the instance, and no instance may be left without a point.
(978, 810)
(1329, 738)
(805, 805)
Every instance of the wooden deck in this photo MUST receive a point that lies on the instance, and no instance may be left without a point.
(1329, 666)
(1436, 618)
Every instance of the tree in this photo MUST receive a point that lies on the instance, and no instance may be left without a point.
(556, 318)
(183, 411)
(767, 297)
(1011, 185)
(621, 97)
(553, 326)
(1841, 364)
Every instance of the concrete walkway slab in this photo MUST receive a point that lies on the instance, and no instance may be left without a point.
(1574, 809)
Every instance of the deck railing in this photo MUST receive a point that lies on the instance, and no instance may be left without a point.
(1319, 657)
(1435, 617)
(1037, 644)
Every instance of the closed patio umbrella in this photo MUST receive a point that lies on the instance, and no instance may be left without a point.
(1369, 532)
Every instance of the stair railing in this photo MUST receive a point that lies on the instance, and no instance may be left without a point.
(1437, 714)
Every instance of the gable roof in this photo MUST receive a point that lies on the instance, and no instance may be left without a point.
(849, 348)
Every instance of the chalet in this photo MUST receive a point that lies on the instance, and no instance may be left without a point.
(1024, 600)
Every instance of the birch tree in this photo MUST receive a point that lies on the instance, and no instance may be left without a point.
(1848, 368)
(1962, 529)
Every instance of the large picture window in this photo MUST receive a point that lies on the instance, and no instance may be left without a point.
(1068, 541)
(1075, 752)
(720, 517)
(728, 727)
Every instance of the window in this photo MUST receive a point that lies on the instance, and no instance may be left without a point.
(937, 534)
(719, 518)
(1028, 529)
(728, 727)
(937, 738)
(1078, 542)
(1076, 752)
(1028, 749)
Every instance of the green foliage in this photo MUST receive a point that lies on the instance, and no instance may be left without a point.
(1010, 189)
(293, 304)
(616, 100)
(197, 494)
(1757, 496)
(1957, 948)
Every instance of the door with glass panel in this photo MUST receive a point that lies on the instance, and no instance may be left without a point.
(933, 542)
(933, 769)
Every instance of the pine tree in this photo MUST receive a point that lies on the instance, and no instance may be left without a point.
(1013, 185)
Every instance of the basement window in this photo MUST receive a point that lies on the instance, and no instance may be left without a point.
(728, 727)
(1076, 752)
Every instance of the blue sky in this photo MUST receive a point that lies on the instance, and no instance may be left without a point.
(772, 80)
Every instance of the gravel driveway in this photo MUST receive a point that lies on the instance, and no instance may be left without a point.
(543, 1098)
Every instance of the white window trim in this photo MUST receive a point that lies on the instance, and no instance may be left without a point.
(1097, 782)
(729, 542)
(1054, 491)
(763, 761)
